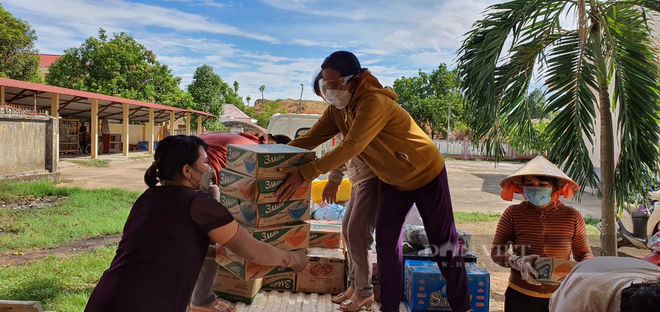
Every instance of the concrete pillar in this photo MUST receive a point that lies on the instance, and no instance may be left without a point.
(200, 127)
(94, 131)
(172, 120)
(151, 130)
(55, 112)
(124, 131)
(187, 123)
(52, 144)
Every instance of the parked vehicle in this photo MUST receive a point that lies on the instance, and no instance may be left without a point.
(637, 227)
(295, 125)
(654, 246)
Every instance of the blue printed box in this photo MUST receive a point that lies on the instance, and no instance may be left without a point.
(425, 287)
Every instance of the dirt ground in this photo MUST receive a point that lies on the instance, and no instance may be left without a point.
(474, 187)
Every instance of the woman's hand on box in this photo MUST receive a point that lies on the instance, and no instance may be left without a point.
(293, 182)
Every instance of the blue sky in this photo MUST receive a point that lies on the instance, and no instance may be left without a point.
(276, 43)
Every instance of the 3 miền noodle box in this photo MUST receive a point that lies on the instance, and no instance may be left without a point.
(326, 234)
(264, 160)
(281, 282)
(552, 270)
(243, 269)
(256, 190)
(229, 287)
(285, 237)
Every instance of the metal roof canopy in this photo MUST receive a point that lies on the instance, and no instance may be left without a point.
(75, 104)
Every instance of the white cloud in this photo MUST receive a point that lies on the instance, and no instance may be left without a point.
(271, 42)
(80, 14)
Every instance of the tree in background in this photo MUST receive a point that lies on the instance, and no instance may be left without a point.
(536, 102)
(539, 141)
(19, 58)
(248, 98)
(121, 67)
(609, 43)
(208, 92)
(262, 89)
(428, 98)
(236, 87)
(263, 116)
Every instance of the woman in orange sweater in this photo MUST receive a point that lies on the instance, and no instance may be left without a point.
(540, 226)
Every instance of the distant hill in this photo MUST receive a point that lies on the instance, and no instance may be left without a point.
(293, 106)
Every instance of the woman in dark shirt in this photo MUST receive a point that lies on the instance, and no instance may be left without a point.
(166, 236)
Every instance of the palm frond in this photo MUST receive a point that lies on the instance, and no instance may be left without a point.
(493, 89)
(636, 94)
(571, 83)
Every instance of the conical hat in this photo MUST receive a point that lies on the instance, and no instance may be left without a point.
(539, 166)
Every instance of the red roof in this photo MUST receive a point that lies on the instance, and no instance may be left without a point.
(77, 103)
(233, 112)
(47, 59)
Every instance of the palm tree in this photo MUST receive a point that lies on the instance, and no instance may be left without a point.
(248, 98)
(302, 89)
(236, 87)
(609, 44)
(261, 89)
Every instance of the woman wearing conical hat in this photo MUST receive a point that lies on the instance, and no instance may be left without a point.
(540, 226)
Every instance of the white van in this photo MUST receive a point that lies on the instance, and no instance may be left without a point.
(295, 125)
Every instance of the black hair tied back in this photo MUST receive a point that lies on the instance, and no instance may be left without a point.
(172, 153)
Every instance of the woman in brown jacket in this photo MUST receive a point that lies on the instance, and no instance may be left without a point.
(540, 226)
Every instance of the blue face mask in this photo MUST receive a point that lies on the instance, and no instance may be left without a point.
(537, 195)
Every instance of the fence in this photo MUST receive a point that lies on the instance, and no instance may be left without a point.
(28, 144)
(464, 149)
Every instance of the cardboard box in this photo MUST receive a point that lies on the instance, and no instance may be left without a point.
(256, 190)
(261, 215)
(243, 269)
(425, 287)
(264, 160)
(326, 234)
(280, 282)
(286, 236)
(552, 270)
(325, 275)
(230, 287)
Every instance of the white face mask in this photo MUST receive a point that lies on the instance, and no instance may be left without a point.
(205, 182)
(338, 98)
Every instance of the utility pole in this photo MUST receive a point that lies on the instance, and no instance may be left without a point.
(302, 88)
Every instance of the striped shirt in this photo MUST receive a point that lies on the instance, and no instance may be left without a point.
(554, 231)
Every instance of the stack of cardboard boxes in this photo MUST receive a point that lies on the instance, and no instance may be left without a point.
(247, 190)
(326, 272)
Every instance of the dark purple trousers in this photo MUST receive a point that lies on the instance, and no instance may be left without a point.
(434, 205)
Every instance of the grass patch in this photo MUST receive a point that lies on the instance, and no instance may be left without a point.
(592, 230)
(463, 217)
(141, 157)
(84, 214)
(60, 283)
(92, 162)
